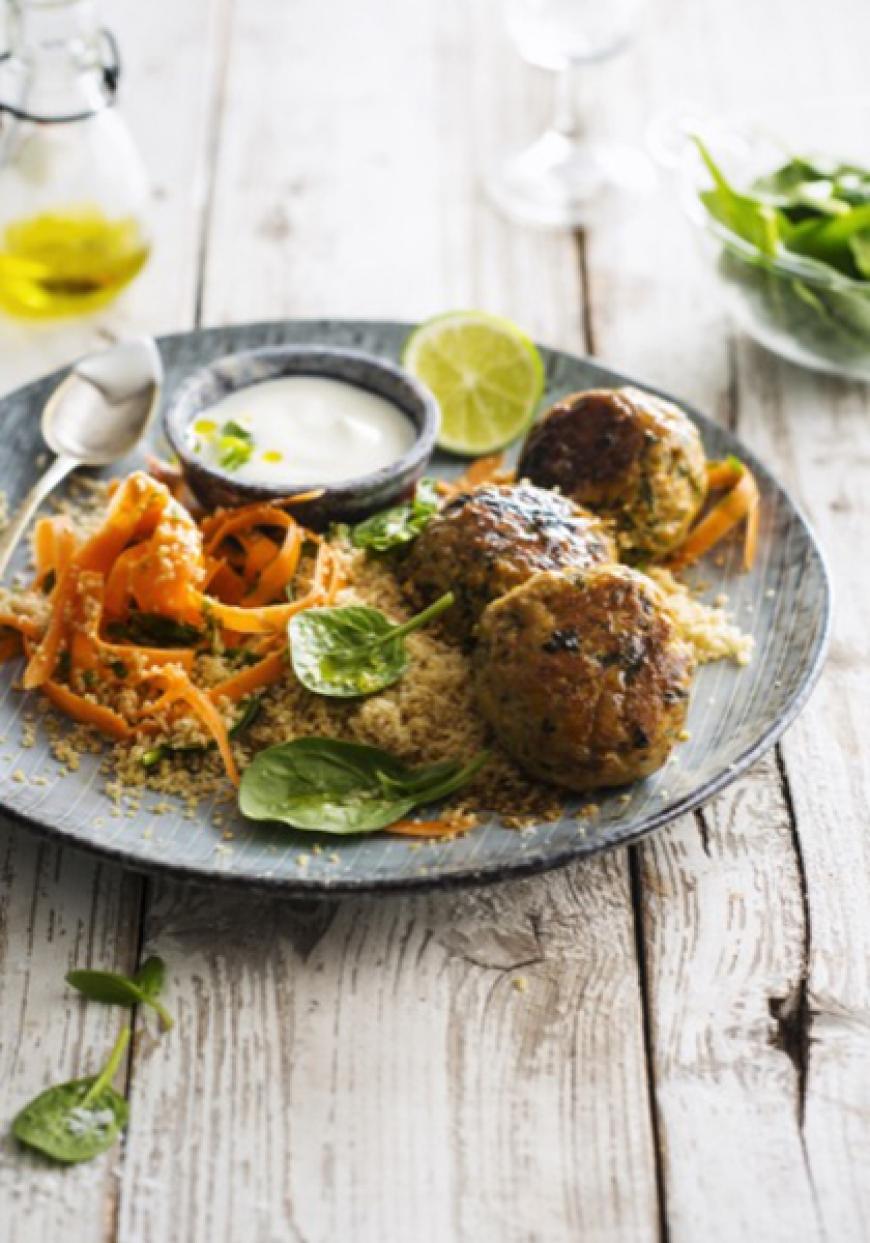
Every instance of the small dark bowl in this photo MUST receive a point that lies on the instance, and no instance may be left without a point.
(348, 501)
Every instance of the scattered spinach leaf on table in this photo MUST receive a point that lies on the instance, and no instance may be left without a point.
(78, 1120)
(353, 650)
(399, 525)
(329, 786)
(114, 989)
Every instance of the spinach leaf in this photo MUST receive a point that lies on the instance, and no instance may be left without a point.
(752, 219)
(353, 650)
(859, 245)
(114, 989)
(392, 528)
(329, 786)
(828, 239)
(78, 1120)
(821, 214)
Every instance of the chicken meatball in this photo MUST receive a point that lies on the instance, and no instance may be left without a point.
(582, 676)
(628, 455)
(490, 539)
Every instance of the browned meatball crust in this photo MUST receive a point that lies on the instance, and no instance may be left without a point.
(490, 539)
(628, 455)
(583, 677)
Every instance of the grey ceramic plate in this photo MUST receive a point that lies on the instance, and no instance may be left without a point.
(735, 714)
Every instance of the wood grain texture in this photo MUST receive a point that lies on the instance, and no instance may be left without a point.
(61, 909)
(816, 431)
(821, 433)
(431, 1068)
(390, 1064)
(725, 929)
(58, 910)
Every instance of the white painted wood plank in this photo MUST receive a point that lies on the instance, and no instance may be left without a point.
(60, 909)
(816, 432)
(724, 924)
(724, 944)
(370, 1070)
(821, 433)
(381, 1078)
(348, 182)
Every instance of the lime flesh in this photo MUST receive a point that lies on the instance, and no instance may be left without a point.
(485, 373)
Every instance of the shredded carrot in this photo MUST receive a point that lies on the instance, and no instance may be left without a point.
(43, 548)
(723, 474)
(431, 828)
(106, 720)
(254, 678)
(750, 546)
(25, 625)
(489, 469)
(247, 518)
(42, 663)
(274, 577)
(10, 647)
(179, 686)
(259, 551)
(134, 512)
(742, 501)
(119, 581)
(265, 620)
(222, 581)
(243, 515)
(150, 556)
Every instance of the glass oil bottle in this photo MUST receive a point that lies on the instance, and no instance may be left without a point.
(73, 190)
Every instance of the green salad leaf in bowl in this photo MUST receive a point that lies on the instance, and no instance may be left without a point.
(793, 252)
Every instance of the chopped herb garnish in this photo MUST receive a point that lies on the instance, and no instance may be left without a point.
(392, 528)
(154, 630)
(233, 453)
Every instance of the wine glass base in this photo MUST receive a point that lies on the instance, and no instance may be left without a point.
(561, 183)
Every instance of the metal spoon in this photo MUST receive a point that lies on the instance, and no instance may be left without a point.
(95, 416)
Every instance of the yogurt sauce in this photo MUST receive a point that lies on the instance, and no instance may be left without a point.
(301, 429)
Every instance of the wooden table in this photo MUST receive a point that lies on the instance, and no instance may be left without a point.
(690, 1059)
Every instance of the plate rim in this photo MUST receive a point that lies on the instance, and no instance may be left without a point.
(505, 870)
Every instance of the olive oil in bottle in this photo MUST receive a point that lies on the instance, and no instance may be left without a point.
(66, 264)
(74, 195)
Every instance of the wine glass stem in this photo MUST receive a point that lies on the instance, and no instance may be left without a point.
(566, 117)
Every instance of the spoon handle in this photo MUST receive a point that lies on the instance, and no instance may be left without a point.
(56, 473)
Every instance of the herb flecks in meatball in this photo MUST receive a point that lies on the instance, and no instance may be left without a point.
(582, 676)
(628, 455)
(486, 541)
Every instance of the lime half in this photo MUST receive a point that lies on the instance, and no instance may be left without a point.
(486, 374)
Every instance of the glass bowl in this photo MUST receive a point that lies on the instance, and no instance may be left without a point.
(817, 319)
